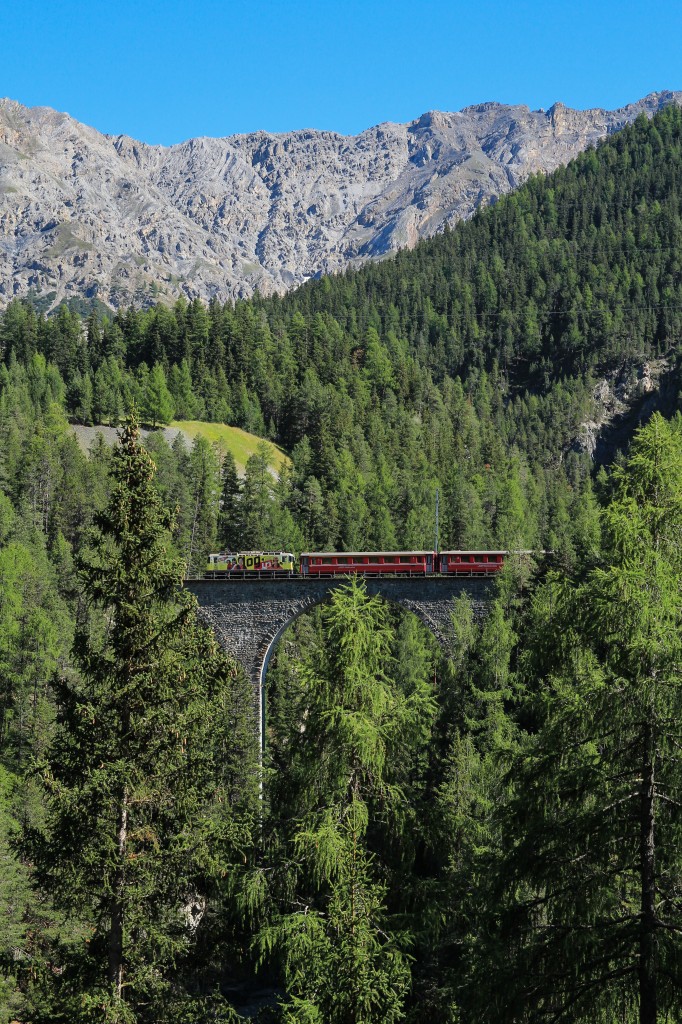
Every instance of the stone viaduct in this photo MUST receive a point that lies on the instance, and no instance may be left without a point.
(249, 616)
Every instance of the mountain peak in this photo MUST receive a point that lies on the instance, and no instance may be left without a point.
(82, 213)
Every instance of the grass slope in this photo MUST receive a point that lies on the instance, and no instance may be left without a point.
(233, 439)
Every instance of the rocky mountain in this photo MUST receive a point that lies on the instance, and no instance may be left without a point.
(98, 216)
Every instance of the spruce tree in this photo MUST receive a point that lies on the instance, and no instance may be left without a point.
(140, 813)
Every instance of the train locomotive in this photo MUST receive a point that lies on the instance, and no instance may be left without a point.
(251, 563)
(322, 564)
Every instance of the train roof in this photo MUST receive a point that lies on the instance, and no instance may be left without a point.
(469, 551)
(514, 551)
(359, 554)
(278, 551)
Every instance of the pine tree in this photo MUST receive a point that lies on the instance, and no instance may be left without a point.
(139, 813)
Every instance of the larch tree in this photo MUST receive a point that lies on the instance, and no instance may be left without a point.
(230, 528)
(257, 500)
(329, 923)
(586, 911)
(158, 405)
(204, 488)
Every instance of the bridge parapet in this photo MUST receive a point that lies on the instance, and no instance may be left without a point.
(249, 616)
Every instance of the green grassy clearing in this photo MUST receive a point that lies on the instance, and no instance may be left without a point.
(233, 439)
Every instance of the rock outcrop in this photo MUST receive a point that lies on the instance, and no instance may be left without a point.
(92, 215)
(624, 400)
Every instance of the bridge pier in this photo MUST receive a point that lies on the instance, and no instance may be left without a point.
(249, 616)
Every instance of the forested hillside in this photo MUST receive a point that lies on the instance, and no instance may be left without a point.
(493, 837)
(468, 363)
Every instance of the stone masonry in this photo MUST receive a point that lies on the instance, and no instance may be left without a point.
(249, 616)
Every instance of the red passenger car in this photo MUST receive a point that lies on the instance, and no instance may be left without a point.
(470, 563)
(366, 563)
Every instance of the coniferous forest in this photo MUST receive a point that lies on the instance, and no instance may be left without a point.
(493, 837)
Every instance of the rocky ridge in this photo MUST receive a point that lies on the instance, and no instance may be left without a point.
(84, 214)
(623, 400)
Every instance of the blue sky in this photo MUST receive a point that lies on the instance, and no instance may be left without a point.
(165, 71)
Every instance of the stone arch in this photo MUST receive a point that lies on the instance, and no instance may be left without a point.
(265, 660)
(250, 616)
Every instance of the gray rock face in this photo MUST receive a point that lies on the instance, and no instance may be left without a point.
(86, 214)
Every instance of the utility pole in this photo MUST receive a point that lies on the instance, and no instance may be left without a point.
(435, 546)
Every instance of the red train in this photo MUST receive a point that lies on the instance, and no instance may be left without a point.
(275, 564)
(408, 563)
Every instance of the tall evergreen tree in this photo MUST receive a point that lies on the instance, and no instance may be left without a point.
(139, 812)
(204, 489)
(157, 403)
(342, 963)
(587, 907)
(230, 519)
(180, 387)
(257, 500)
